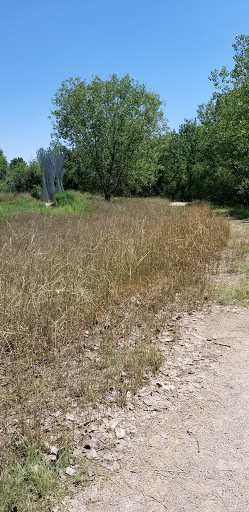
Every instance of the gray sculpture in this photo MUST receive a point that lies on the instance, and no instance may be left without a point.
(52, 166)
(58, 158)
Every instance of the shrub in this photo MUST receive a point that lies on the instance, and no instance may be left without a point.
(22, 177)
(36, 192)
(4, 189)
(67, 199)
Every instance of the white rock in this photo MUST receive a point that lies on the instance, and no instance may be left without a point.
(70, 417)
(53, 450)
(95, 444)
(52, 457)
(91, 454)
(120, 433)
(169, 387)
(91, 473)
(114, 423)
(70, 471)
(115, 466)
(108, 457)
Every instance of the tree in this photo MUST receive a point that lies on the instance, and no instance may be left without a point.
(112, 124)
(179, 158)
(3, 165)
(210, 159)
(225, 80)
(22, 177)
(189, 139)
(170, 181)
(77, 176)
(226, 127)
(16, 176)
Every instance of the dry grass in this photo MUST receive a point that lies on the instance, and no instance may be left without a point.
(80, 299)
(232, 283)
(9, 196)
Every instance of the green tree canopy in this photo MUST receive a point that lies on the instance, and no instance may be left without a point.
(179, 159)
(22, 177)
(209, 159)
(225, 120)
(113, 124)
(3, 165)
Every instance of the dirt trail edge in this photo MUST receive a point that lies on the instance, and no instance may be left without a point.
(183, 444)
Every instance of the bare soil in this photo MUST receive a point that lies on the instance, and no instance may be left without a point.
(182, 443)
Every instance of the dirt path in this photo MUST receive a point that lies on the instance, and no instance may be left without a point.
(184, 444)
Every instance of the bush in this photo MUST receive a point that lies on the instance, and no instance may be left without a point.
(36, 192)
(67, 199)
(4, 189)
(22, 177)
(243, 191)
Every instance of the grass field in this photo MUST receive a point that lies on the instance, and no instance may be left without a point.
(82, 297)
(13, 203)
(239, 211)
(233, 288)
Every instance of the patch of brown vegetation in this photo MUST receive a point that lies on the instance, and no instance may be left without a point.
(81, 298)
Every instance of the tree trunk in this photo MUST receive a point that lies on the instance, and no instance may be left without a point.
(107, 197)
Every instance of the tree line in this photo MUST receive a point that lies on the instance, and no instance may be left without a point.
(18, 176)
(116, 140)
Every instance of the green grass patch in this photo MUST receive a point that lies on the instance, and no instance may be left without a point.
(32, 482)
(239, 211)
(23, 202)
(68, 202)
(238, 294)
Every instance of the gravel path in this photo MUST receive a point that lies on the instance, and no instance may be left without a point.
(183, 446)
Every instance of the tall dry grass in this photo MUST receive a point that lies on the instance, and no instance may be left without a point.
(80, 299)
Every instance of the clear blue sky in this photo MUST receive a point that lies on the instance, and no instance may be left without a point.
(171, 46)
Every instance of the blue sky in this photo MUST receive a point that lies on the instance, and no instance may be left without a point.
(171, 46)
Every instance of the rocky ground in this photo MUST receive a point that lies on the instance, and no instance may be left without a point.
(182, 444)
